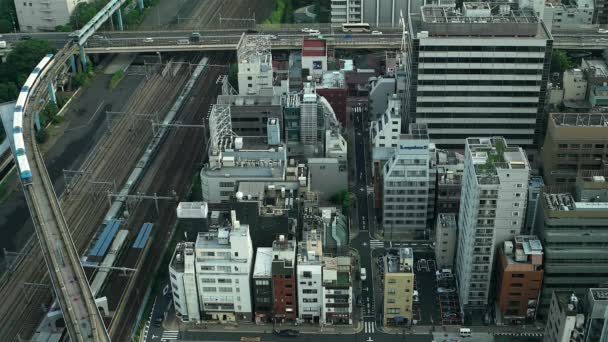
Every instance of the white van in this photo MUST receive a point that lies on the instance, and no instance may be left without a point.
(314, 33)
(363, 273)
(465, 332)
(183, 42)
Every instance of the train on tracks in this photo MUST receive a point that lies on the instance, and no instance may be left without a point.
(38, 74)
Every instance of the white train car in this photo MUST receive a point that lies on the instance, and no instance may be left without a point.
(24, 170)
(19, 144)
(34, 78)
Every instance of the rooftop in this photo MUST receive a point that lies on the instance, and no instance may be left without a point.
(595, 67)
(568, 302)
(579, 119)
(333, 79)
(599, 294)
(476, 19)
(446, 221)
(416, 132)
(182, 248)
(401, 261)
(489, 154)
(263, 263)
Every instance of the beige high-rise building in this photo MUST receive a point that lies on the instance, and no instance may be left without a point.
(398, 287)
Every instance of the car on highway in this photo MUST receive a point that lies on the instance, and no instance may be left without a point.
(306, 30)
(602, 31)
(26, 37)
(250, 31)
(183, 42)
(445, 290)
(272, 36)
(376, 33)
(148, 40)
(97, 36)
(348, 36)
(195, 36)
(287, 332)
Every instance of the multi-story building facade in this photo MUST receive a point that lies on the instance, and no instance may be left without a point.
(224, 260)
(385, 13)
(36, 16)
(399, 287)
(519, 279)
(284, 279)
(566, 319)
(566, 15)
(535, 186)
(337, 291)
(408, 183)
(494, 191)
(574, 142)
(255, 66)
(183, 283)
(450, 166)
(572, 228)
(262, 285)
(310, 275)
(596, 308)
(473, 72)
(445, 240)
(345, 11)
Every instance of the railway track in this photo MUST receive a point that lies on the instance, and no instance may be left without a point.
(180, 156)
(84, 208)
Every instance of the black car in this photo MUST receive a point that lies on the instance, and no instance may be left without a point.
(251, 31)
(25, 37)
(287, 332)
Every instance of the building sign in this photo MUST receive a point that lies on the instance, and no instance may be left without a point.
(414, 147)
(317, 65)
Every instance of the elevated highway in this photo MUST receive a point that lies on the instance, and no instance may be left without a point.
(82, 318)
(132, 41)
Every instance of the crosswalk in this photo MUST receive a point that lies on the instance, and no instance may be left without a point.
(531, 334)
(169, 335)
(376, 244)
(370, 327)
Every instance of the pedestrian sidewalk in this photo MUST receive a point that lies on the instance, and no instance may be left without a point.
(174, 323)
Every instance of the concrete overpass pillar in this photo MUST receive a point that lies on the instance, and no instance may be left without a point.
(52, 95)
(73, 64)
(83, 58)
(119, 19)
(140, 4)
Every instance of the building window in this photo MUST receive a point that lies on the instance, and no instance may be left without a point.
(226, 185)
(209, 289)
(393, 311)
(307, 274)
(517, 275)
(390, 300)
(225, 289)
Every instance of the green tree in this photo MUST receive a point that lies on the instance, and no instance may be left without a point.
(560, 61)
(26, 55)
(8, 91)
(8, 14)
(83, 12)
(343, 198)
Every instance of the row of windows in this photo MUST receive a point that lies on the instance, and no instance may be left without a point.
(480, 104)
(388, 223)
(485, 60)
(479, 83)
(481, 125)
(562, 146)
(477, 71)
(480, 93)
(421, 114)
(483, 48)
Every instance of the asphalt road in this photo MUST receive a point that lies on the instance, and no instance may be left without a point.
(229, 337)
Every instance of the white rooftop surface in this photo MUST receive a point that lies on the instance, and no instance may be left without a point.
(263, 262)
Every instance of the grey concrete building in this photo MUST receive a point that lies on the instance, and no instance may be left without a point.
(382, 89)
(445, 240)
(572, 227)
(250, 114)
(574, 142)
(328, 176)
(477, 72)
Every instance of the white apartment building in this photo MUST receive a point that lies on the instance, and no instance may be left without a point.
(472, 72)
(183, 283)
(345, 11)
(386, 130)
(255, 66)
(36, 16)
(337, 291)
(409, 183)
(310, 277)
(223, 268)
(492, 210)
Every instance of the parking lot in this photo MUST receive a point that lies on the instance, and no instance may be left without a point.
(435, 297)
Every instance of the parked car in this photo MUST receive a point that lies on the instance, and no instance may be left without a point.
(363, 273)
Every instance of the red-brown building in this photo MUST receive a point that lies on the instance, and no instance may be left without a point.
(519, 278)
(284, 292)
(333, 88)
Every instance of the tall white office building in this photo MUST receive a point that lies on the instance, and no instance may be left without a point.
(408, 189)
(492, 209)
(223, 263)
(310, 276)
(183, 283)
(478, 71)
